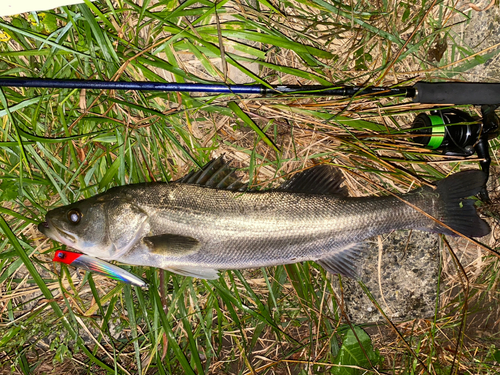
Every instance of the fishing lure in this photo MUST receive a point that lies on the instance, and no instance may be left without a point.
(99, 266)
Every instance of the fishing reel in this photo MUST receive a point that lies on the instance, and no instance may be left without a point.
(456, 133)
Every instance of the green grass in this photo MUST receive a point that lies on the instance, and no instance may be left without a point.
(58, 146)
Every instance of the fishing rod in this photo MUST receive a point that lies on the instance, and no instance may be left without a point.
(473, 93)
(451, 131)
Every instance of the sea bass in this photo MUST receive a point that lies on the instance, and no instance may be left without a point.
(206, 221)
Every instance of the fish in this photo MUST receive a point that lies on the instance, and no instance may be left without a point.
(209, 221)
(99, 266)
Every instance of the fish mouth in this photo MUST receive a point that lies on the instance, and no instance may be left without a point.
(56, 233)
(43, 226)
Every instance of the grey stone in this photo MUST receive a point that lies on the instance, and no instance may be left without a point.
(479, 33)
(408, 279)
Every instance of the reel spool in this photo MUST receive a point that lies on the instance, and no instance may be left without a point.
(452, 131)
(456, 133)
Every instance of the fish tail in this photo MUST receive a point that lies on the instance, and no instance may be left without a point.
(458, 212)
(450, 203)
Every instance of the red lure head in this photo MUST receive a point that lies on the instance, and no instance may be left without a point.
(66, 257)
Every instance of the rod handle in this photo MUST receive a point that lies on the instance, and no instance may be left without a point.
(457, 93)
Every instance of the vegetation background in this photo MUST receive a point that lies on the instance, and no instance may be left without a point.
(58, 146)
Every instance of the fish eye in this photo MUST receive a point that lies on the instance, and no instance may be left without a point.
(74, 216)
(61, 255)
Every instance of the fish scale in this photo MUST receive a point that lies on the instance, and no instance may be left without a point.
(195, 230)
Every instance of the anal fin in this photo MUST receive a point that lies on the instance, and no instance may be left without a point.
(344, 262)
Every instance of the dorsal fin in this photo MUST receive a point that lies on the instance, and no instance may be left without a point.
(217, 174)
(321, 179)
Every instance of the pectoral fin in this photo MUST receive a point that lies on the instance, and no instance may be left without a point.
(172, 244)
(344, 262)
(176, 245)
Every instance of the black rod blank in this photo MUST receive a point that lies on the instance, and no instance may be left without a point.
(457, 93)
(210, 88)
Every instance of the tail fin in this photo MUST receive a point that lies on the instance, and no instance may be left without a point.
(459, 212)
